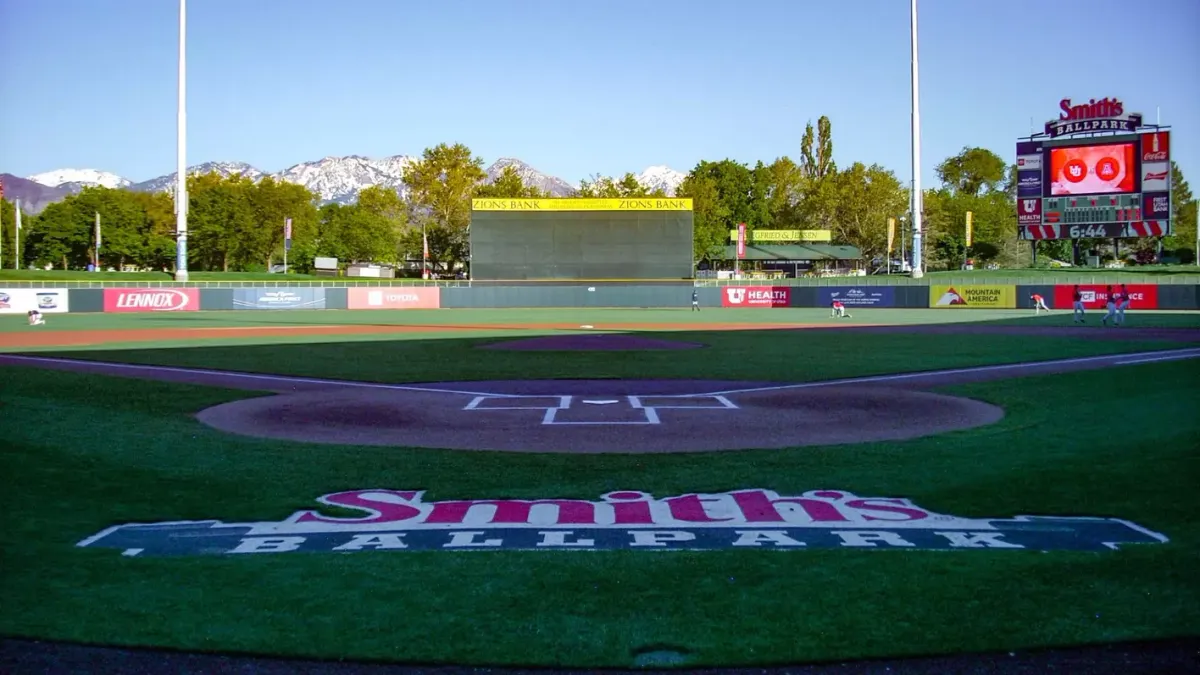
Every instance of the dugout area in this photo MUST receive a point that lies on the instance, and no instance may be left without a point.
(581, 239)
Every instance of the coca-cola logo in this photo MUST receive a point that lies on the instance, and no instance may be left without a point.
(158, 300)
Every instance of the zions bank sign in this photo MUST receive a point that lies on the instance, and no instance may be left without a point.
(399, 520)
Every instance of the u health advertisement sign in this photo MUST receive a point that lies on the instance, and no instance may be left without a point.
(394, 298)
(400, 521)
(857, 296)
(22, 300)
(279, 298)
(1095, 296)
(756, 296)
(151, 300)
(971, 297)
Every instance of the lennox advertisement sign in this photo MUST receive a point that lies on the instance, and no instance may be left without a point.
(394, 298)
(756, 296)
(399, 520)
(151, 300)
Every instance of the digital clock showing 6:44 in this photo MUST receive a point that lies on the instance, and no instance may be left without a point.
(1095, 231)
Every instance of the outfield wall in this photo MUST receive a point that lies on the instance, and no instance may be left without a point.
(936, 296)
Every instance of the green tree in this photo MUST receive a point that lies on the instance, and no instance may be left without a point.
(973, 171)
(355, 234)
(866, 196)
(55, 237)
(710, 217)
(724, 194)
(816, 159)
(273, 202)
(1183, 214)
(385, 204)
(782, 183)
(604, 187)
(440, 186)
(220, 214)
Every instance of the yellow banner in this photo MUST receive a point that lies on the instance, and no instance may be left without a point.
(786, 235)
(636, 204)
(968, 297)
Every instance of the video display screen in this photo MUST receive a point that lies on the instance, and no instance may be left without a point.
(1093, 169)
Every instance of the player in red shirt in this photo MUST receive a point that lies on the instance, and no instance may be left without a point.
(838, 309)
(1039, 303)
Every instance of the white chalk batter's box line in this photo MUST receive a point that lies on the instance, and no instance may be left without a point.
(647, 404)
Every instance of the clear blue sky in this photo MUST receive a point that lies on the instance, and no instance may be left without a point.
(573, 88)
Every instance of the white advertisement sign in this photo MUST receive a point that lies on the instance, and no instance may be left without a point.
(21, 300)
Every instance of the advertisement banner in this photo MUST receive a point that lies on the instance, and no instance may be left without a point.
(44, 300)
(151, 299)
(394, 298)
(1156, 146)
(583, 204)
(756, 296)
(1029, 183)
(741, 240)
(1095, 296)
(279, 298)
(1029, 212)
(1156, 177)
(758, 236)
(971, 297)
(857, 296)
(1156, 206)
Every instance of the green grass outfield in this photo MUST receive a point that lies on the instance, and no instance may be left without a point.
(83, 452)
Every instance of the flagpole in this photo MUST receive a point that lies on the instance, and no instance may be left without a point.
(97, 261)
(17, 239)
(917, 271)
(181, 196)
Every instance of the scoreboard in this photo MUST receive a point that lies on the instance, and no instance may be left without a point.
(1112, 187)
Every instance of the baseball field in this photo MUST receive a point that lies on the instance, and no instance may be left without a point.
(586, 488)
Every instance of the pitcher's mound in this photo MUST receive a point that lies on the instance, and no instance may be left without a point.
(600, 342)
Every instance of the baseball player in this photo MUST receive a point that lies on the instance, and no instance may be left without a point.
(35, 318)
(1077, 297)
(1122, 305)
(1110, 305)
(1039, 303)
(839, 309)
(695, 301)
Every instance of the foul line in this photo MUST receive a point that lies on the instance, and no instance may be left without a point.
(247, 376)
(1140, 357)
(1114, 359)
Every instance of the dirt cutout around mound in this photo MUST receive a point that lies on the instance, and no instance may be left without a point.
(600, 342)
(587, 417)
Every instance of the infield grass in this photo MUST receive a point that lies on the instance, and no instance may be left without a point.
(83, 452)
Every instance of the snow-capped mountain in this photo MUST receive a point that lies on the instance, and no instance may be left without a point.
(83, 177)
(339, 179)
(557, 187)
(167, 182)
(661, 177)
(335, 179)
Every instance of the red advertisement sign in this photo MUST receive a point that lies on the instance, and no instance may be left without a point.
(756, 296)
(1029, 211)
(1156, 146)
(397, 297)
(151, 300)
(1095, 296)
(741, 242)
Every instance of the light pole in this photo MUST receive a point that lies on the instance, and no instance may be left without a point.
(917, 271)
(181, 195)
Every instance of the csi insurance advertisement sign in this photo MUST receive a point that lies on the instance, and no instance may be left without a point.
(151, 300)
(857, 296)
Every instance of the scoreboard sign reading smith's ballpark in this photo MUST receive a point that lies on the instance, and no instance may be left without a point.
(1097, 172)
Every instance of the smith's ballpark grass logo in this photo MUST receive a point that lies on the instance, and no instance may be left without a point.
(398, 520)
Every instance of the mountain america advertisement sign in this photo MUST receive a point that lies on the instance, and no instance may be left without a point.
(400, 520)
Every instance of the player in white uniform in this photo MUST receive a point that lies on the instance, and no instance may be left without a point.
(1078, 300)
(35, 318)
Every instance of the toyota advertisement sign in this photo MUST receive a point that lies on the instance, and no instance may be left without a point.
(151, 300)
